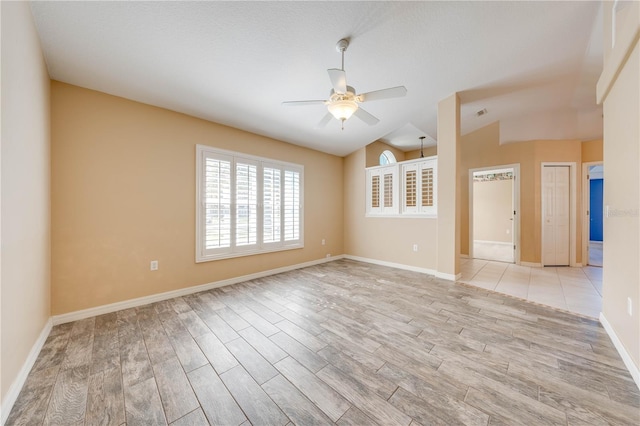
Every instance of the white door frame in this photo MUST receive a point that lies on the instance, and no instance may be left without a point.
(586, 207)
(516, 206)
(572, 209)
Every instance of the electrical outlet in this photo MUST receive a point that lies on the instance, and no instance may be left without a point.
(415, 247)
(323, 241)
(629, 306)
(154, 265)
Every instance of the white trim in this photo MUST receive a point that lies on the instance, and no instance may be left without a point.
(515, 200)
(626, 358)
(572, 207)
(503, 243)
(145, 300)
(448, 277)
(391, 264)
(15, 388)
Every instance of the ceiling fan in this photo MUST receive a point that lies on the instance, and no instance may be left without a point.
(343, 101)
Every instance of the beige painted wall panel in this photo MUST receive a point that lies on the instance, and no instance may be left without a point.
(123, 194)
(384, 239)
(25, 193)
(592, 151)
(376, 148)
(449, 185)
(492, 206)
(621, 273)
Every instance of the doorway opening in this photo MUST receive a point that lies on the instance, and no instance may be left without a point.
(593, 184)
(493, 219)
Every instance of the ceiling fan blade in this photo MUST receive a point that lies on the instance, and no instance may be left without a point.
(338, 80)
(299, 103)
(392, 92)
(325, 120)
(366, 117)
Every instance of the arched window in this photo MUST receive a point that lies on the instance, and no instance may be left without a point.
(387, 157)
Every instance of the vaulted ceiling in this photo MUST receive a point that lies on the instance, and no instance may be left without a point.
(532, 65)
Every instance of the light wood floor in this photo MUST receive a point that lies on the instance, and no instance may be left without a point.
(343, 342)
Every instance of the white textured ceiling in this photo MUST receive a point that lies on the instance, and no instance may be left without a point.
(532, 65)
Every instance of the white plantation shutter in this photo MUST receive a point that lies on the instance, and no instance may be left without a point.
(375, 191)
(217, 203)
(419, 187)
(291, 218)
(272, 206)
(427, 187)
(246, 204)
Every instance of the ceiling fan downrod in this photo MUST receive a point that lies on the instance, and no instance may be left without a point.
(341, 47)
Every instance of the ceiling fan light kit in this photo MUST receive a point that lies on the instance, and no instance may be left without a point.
(343, 101)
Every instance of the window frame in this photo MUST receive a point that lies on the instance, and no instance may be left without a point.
(381, 172)
(399, 208)
(203, 152)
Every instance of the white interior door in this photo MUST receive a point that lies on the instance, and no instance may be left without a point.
(556, 215)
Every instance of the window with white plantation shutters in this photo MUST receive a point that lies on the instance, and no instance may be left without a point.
(246, 205)
(413, 182)
(382, 190)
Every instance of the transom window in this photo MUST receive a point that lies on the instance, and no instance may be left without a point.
(387, 157)
(246, 205)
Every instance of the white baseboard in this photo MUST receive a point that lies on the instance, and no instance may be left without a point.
(145, 300)
(15, 388)
(391, 264)
(499, 243)
(449, 277)
(626, 358)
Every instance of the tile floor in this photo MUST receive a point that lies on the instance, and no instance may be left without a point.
(595, 253)
(577, 290)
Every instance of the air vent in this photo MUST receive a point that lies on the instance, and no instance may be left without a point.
(482, 112)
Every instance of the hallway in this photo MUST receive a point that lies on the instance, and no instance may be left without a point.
(577, 290)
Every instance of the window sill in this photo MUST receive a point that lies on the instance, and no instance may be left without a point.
(243, 253)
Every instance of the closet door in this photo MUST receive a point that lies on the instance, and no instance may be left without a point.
(555, 216)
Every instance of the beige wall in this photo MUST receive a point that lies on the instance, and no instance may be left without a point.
(448, 182)
(376, 148)
(123, 194)
(25, 213)
(492, 205)
(619, 88)
(592, 151)
(428, 152)
(383, 239)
